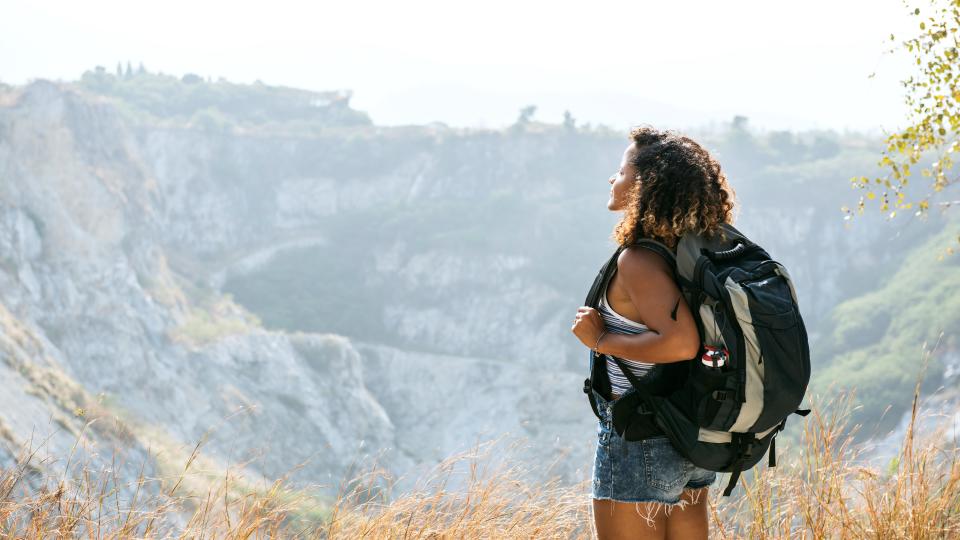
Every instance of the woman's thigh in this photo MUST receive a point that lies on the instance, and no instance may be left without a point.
(691, 521)
(615, 520)
(653, 520)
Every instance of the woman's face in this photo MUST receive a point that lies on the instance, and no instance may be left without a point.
(623, 181)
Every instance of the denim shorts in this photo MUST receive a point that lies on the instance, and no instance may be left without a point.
(648, 470)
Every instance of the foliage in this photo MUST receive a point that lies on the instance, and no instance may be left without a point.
(318, 288)
(933, 97)
(526, 114)
(212, 321)
(221, 106)
(873, 336)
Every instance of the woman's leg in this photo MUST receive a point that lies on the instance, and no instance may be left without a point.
(626, 520)
(689, 522)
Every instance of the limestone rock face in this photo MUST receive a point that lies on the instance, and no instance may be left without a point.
(88, 229)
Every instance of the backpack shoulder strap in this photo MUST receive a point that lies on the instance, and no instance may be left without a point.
(600, 281)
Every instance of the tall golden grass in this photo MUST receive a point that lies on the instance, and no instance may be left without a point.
(822, 488)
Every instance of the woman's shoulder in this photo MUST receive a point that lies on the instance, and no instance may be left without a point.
(638, 261)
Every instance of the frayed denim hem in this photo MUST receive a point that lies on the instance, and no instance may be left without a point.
(653, 507)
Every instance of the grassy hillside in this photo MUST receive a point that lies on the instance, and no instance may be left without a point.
(874, 341)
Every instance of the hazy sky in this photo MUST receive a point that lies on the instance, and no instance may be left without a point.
(674, 64)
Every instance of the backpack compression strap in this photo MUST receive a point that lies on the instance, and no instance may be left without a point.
(743, 452)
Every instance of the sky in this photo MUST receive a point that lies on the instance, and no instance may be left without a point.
(679, 64)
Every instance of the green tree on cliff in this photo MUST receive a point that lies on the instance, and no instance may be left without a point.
(933, 97)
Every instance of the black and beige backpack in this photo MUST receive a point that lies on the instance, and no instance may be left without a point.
(725, 418)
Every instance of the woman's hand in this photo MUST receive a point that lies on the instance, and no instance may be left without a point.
(588, 326)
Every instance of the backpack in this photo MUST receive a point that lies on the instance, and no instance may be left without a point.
(723, 418)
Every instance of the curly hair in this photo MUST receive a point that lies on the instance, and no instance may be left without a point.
(680, 188)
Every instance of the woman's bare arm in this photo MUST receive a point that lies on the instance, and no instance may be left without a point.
(650, 285)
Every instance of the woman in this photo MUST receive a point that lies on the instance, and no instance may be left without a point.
(667, 185)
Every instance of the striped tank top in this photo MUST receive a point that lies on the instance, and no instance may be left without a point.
(619, 324)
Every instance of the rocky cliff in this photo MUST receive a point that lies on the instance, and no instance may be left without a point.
(333, 297)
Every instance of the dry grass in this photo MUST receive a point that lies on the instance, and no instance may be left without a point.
(493, 500)
(99, 504)
(494, 503)
(829, 491)
(823, 489)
